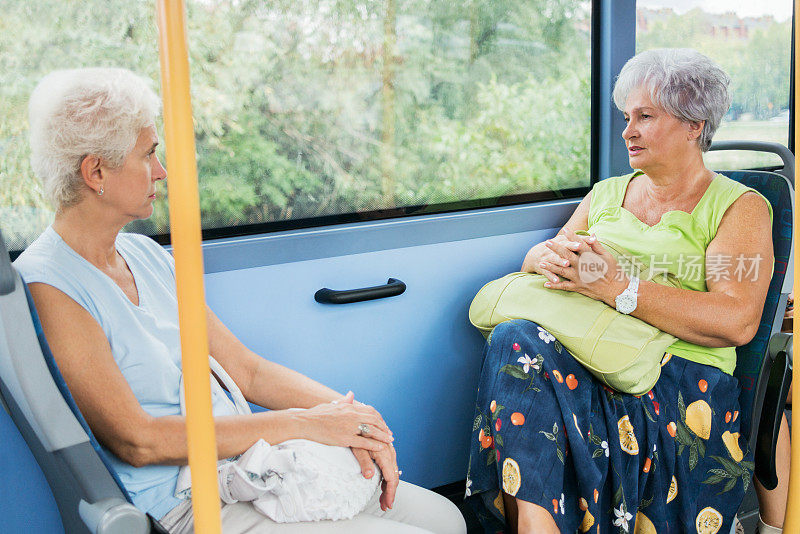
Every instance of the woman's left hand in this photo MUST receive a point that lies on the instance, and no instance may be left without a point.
(386, 459)
(590, 270)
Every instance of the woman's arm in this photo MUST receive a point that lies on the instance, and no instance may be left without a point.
(540, 252)
(262, 382)
(84, 358)
(729, 313)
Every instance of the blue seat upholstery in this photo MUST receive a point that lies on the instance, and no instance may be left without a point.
(26, 502)
(750, 358)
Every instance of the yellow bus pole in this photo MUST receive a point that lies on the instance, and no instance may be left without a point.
(184, 216)
(791, 522)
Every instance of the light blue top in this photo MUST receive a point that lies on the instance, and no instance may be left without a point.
(144, 339)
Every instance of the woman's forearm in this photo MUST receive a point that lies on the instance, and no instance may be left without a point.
(277, 387)
(710, 319)
(162, 440)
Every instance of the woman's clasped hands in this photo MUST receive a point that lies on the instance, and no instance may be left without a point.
(577, 263)
(348, 423)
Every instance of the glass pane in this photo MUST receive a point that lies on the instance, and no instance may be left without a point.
(752, 42)
(311, 108)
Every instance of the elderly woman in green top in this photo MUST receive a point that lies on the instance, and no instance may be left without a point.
(559, 451)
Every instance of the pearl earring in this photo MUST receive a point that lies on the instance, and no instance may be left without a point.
(101, 191)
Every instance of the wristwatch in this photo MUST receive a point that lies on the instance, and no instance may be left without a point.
(626, 301)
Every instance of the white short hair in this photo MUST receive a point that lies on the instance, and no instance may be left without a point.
(74, 113)
(683, 82)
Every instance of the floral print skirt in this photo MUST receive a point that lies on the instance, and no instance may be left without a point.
(547, 432)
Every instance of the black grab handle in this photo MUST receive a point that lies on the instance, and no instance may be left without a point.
(392, 288)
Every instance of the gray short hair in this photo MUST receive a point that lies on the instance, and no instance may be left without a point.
(683, 82)
(74, 113)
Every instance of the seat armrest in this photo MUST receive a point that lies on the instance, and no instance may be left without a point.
(780, 352)
(114, 516)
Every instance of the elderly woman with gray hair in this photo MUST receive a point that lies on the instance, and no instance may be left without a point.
(108, 307)
(554, 449)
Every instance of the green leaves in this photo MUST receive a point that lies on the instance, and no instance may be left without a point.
(693, 456)
(514, 370)
(472, 110)
(594, 438)
(476, 424)
(730, 473)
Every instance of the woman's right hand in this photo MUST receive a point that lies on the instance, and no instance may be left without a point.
(339, 423)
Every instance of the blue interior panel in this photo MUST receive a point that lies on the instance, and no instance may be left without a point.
(415, 357)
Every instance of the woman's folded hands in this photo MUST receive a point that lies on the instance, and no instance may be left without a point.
(348, 423)
(578, 263)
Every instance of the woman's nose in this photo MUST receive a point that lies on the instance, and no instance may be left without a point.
(629, 131)
(159, 172)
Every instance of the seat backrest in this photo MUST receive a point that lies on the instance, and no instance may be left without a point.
(89, 496)
(26, 502)
(750, 358)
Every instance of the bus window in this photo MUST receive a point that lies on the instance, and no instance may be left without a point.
(314, 112)
(752, 42)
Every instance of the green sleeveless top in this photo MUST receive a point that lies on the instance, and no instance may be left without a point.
(677, 243)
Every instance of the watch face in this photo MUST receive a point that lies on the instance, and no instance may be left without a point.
(625, 303)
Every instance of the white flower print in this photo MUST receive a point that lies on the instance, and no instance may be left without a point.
(604, 445)
(528, 363)
(545, 336)
(623, 516)
(561, 504)
(469, 491)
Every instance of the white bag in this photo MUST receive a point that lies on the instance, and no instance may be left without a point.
(297, 480)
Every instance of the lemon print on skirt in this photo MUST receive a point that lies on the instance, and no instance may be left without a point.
(698, 418)
(643, 525)
(627, 439)
(512, 479)
(499, 504)
(588, 522)
(709, 521)
(673, 490)
(732, 442)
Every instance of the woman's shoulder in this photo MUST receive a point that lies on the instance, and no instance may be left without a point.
(41, 256)
(725, 193)
(608, 194)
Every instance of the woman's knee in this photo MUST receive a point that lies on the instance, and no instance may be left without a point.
(446, 517)
(427, 510)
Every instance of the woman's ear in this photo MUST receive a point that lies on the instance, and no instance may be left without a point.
(695, 129)
(91, 172)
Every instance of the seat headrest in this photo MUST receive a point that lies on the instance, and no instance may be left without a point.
(6, 271)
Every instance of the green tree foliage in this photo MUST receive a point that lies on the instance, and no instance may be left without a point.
(487, 98)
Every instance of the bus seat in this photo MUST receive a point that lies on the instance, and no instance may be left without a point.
(26, 502)
(89, 496)
(763, 365)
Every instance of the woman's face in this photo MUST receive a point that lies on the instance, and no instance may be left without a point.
(131, 188)
(655, 139)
